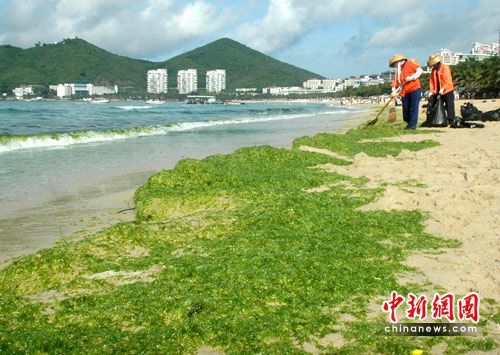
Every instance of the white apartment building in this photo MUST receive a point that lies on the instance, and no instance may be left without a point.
(480, 48)
(63, 90)
(157, 81)
(329, 84)
(449, 58)
(312, 84)
(102, 90)
(23, 91)
(246, 89)
(74, 89)
(216, 80)
(479, 51)
(326, 85)
(187, 81)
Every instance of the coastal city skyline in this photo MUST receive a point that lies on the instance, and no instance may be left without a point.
(187, 79)
(333, 39)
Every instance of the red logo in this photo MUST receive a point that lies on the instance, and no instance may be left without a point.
(468, 307)
(393, 305)
(442, 307)
(418, 307)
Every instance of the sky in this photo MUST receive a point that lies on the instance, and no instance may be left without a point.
(333, 38)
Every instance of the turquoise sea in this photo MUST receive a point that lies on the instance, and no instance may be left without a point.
(50, 150)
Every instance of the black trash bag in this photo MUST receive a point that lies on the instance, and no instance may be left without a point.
(493, 115)
(459, 122)
(436, 114)
(471, 113)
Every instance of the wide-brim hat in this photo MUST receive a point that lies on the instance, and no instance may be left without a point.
(396, 58)
(434, 59)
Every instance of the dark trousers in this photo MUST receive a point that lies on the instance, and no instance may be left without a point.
(410, 103)
(449, 104)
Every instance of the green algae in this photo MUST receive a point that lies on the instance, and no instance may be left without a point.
(230, 252)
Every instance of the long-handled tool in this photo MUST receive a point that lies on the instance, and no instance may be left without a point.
(372, 122)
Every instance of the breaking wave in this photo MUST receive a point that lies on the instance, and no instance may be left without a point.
(128, 108)
(10, 143)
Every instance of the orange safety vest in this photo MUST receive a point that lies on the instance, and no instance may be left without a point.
(445, 80)
(409, 68)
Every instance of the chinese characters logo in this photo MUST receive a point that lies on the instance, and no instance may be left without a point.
(441, 307)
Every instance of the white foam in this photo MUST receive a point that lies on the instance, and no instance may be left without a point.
(55, 141)
(66, 139)
(134, 107)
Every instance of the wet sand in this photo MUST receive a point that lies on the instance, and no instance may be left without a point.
(69, 217)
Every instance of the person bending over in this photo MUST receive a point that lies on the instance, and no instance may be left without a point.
(406, 83)
(441, 83)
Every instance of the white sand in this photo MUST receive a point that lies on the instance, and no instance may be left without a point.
(462, 194)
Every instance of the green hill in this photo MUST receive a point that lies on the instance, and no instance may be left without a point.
(69, 61)
(77, 61)
(245, 67)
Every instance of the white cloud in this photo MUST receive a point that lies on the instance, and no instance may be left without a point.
(145, 28)
(287, 21)
(351, 35)
(360, 36)
(455, 27)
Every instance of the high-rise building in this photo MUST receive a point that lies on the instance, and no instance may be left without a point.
(187, 81)
(216, 80)
(157, 81)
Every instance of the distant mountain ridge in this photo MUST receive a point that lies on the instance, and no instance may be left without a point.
(77, 61)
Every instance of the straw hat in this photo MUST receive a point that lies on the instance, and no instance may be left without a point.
(396, 58)
(434, 59)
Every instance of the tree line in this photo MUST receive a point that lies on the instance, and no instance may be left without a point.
(482, 76)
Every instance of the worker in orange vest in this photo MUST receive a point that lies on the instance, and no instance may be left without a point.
(406, 84)
(441, 83)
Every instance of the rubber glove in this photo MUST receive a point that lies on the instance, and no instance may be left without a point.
(441, 91)
(394, 92)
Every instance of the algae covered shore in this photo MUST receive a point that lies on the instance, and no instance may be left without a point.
(264, 250)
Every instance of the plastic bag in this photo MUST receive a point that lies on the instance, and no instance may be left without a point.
(460, 123)
(471, 113)
(436, 114)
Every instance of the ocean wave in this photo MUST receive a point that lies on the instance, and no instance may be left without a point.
(134, 107)
(12, 110)
(10, 143)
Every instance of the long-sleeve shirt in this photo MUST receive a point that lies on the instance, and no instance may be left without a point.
(411, 71)
(441, 78)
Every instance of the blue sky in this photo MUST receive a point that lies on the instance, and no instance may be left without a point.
(334, 38)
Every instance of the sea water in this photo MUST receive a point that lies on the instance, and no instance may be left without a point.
(50, 149)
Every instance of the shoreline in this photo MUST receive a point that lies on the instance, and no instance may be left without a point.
(68, 217)
(85, 210)
(251, 235)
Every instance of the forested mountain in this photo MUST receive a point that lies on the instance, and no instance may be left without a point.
(69, 61)
(245, 67)
(77, 61)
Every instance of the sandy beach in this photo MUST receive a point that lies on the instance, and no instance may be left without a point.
(461, 194)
